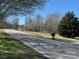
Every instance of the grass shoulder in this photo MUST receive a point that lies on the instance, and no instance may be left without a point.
(48, 36)
(14, 49)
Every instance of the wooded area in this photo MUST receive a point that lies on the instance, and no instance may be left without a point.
(42, 24)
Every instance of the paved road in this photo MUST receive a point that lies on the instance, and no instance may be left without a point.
(50, 48)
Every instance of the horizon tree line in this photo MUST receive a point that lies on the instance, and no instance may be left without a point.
(41, 24)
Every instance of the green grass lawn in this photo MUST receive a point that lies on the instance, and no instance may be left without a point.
(48, 36)
(14, 49)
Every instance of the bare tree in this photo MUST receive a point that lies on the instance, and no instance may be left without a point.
(26, 25)
(30, 24)
(52, 22)
(39, 20)
(36, 24)
(15, 24)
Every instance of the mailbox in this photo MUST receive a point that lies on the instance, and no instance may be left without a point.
(53, 35)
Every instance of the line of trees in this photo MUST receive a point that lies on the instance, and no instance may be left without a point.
(67, 26)
(41, 24)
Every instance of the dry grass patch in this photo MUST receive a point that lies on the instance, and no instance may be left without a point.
(48, 36)
(1, 30)
(40, 34)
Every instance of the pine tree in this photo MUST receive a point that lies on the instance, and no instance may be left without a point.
(68, 26)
